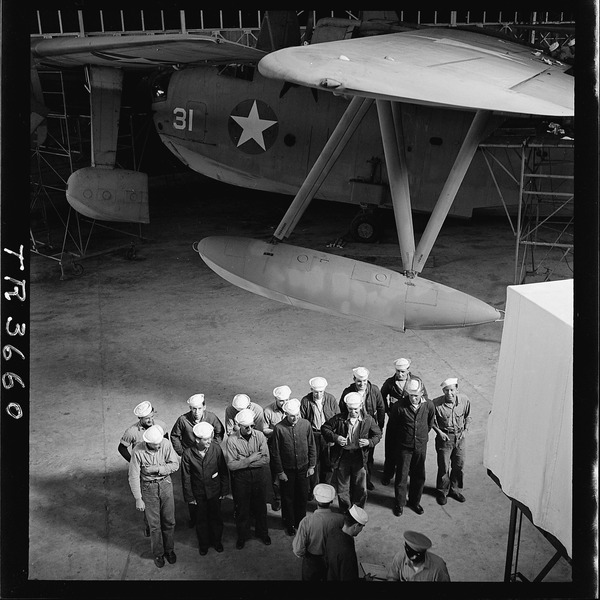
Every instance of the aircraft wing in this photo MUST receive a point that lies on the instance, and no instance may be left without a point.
(141, 51)
(441, 67)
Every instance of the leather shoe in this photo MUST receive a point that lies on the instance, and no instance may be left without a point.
(240, 543)
(370, 486)
(441, 499)
(457, 496)
(417, 508)
(291, 530)
(219, 547)
(397, 510)
(159, 561)
(276, 505)
(203, 551)
(171, 557)
(385, 480)
(266, 540)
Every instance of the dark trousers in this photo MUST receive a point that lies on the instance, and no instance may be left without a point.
(450, 462)
(160, 513)
(274, 480)
(323, 472)
(191, 508)
(314, 568)
(370, 463)
(294, 496)
(249, 489)
(209, 522)
(350, 480)
(410, 464)
(389, 463)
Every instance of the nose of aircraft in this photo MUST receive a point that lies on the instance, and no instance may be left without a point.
(341, 286)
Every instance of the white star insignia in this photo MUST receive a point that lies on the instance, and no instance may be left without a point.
(253, 127)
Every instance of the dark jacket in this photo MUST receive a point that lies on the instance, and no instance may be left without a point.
(338, 425)
(373, 406)
(204, 477)
(293, 447)
(409, 429)
(330, 407)
(392, 394)
(182, 434)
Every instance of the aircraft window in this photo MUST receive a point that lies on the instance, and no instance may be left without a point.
(160, 85)
(435, 141)
(238, 72)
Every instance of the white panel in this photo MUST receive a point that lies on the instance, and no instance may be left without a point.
(529, 433)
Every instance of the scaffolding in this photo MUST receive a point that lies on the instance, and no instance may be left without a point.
(543, 226)
(55, 154)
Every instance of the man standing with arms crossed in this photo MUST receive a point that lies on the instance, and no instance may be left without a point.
(151, 465)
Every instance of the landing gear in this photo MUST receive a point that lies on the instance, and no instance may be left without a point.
(367, 226)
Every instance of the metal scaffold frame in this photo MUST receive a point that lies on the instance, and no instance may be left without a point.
(53, 159)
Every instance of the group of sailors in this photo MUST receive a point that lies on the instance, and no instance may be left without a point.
(296, 450)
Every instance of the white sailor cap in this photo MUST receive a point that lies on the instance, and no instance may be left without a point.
(571, 42)
(413, 387)
(143, 409)
(203, 429)
(153, 434)
(196, 401)
(240, 401)
(553, 46)
(292, 406)
(324, 493)
(318, 383)
(353, 400)
(449, 381)
(361, 372)
(402, 364)
(244, 417)
(360, 514)
(282, 392)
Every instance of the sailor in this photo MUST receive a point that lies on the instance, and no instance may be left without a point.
(372, 405)
(242, 402)
(453, 416)
(415, 563)
(182, 434)
(150, 468)
(273, 414)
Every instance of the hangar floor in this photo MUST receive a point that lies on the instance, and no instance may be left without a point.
(164, 326)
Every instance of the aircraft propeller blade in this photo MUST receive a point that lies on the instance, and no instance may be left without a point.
(341, 286)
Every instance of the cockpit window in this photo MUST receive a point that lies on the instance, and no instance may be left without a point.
(160, 85)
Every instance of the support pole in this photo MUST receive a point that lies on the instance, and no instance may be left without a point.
(392, 136)
(510, 547)
(333, 148)
(473, 138)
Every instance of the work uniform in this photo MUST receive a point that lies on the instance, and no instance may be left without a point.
(340, 556)
(393, 390)
(294, 452)
(350, 462)
(272, 415)
(248, 484)
(372, 405)
(409, 428)
(453, 419)
(309, 542)
(316, 413)
(433, 568)
(156, 491)
(182, 437)
(205, 479)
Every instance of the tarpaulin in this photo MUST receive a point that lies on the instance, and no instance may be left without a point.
(529, 431)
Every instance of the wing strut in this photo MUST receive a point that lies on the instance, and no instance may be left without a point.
(392, 136)
(475, 135)
(333, 148)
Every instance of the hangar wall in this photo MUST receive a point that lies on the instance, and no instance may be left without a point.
(529, 432)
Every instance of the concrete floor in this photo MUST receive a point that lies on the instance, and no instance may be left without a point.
(164, 326)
